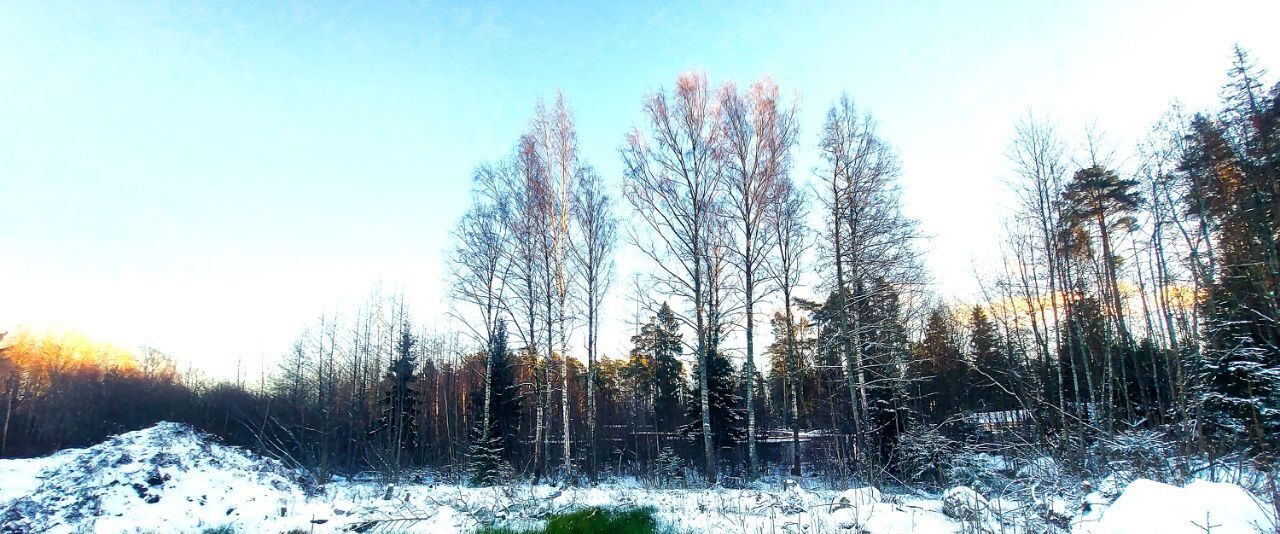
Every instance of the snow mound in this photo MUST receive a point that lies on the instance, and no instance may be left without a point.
(1042, 468)
(858, 497)
(912, 515)
(964, 503)
(1150, 506)
(167, 478)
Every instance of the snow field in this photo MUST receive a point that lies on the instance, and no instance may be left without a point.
(170, 478)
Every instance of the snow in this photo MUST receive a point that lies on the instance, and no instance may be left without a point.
(1149, 506)
(1040, 468)
(170, 478)
(20, 476)
(859, 497)
(167, 477)
(962, 502)
(886, 517)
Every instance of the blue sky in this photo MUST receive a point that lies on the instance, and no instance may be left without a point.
(210, 177)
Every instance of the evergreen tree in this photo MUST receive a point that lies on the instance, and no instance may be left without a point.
(829, 410)
(886, 350)
(727, 420)
(940, 371)
(399, 405)
(655, 369)
(995, 375)
(1232, 166)
(668, 377)
(1097, 197)
(785, 374)
(1081, 357)
(494, 447)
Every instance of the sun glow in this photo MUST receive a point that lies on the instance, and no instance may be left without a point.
(65, 351)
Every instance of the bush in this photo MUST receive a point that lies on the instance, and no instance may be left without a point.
(1140, 454)
(669, 469)
(924, 453)
(594, 519)
(983, 472)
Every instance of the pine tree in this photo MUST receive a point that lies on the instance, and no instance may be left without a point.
(655, 368)
(787, 370)
(1098, 197)
(830, 409)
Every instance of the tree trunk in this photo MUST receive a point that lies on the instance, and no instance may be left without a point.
(564, 395)
(591, 379)
(842, 291)
(792, 365)
(708, 448)
(752, 461)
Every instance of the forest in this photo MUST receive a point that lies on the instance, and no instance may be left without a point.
(783, 323)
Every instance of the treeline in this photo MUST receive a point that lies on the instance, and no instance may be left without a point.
(63, 389)
(1136, 295)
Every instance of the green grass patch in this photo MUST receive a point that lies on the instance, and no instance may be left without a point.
(594, 519)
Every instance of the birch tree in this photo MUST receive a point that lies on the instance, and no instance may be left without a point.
(597, 235)
(555, 149)
(870, 238)
(791, 240)
(759, 134)
(479, 271)
(673, 179)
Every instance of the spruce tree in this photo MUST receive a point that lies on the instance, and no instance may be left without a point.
(995, 376)
(398, 406)
(727, 419)
(493, 447)
(668, 370)
(941, 374)
(886, 350)
(1232, 166)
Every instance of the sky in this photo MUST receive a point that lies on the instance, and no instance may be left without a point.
(208, 178)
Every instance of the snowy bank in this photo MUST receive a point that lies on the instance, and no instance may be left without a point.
(1149, 506)
(171, 478)
(164, 478)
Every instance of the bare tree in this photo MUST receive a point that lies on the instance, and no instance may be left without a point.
(673, 178)
(555, 147)
(1037, 157)
(479, 270)
(9, 373)
(758, 137)
(519, 185)
(597, 235)
(869, 236)
(791, 240)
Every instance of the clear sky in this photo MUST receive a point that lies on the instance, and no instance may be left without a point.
(209, 177)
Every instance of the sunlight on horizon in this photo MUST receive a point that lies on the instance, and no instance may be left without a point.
(209, 179)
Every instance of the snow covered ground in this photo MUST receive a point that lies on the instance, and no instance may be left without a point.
(169, 478)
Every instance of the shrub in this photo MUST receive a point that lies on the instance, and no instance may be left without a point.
(669, 469)
(1140, 454)
(594, 519)
(924, 453)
